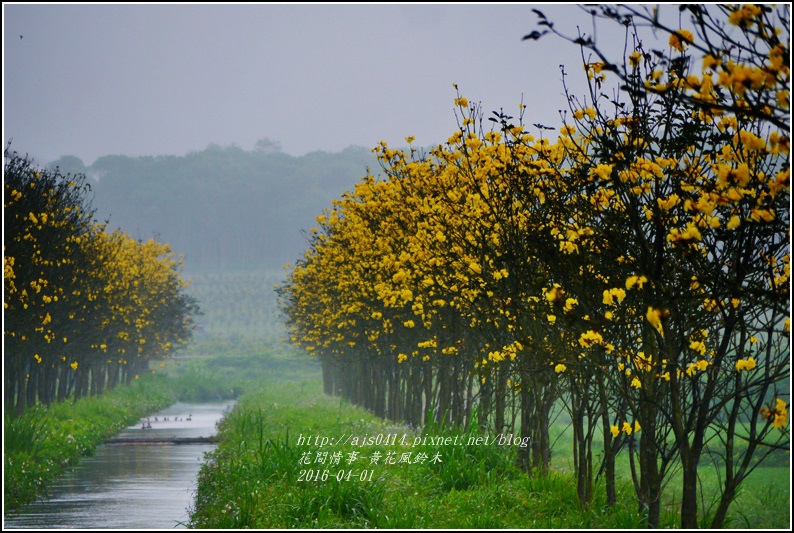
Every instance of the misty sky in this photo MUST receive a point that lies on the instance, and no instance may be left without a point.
(94, 80)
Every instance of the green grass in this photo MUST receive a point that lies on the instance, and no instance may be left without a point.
(43, 442)
(253, 478)
(761, 503)
(198, 375)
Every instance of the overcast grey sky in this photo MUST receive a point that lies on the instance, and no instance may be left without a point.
(92, 80)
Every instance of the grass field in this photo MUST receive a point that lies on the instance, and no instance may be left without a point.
(762, 502)
(266, 474)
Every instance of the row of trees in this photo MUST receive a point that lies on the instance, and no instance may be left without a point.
(635, 269)
(84, 309)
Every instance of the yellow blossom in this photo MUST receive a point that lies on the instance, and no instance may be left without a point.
(611, 294)
(668, 203)
(745, 364)
(680, 38)
(654, 316)
(635, 281)
(778, 415)
(698, 346)
(602, 171)
(553, 293)
(781, 414)
(589, 338)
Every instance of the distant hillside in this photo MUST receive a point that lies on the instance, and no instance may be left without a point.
(224, 208)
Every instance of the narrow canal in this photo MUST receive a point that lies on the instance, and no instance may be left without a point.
(131, 486)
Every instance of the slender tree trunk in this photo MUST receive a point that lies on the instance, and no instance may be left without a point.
(380, 385)
(19, 405)
(728, 494)
(609, 446)
(32, 386)
(500, 399)
(484, 406)
(442, 409)
(650, 480)
(689, 503)
(415, 414)
(469, 400)
(579, 447)
(427, 381)
(328, 381)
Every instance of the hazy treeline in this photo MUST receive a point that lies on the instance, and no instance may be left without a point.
(224, 208)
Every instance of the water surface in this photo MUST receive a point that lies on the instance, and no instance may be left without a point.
(131, 486)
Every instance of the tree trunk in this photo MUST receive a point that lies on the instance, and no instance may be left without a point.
(650, 481)
(689, 503)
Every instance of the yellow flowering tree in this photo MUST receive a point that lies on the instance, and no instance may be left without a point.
(139, 309)
(79, 304)
(683, 179)
(635, 267)
(45, 222)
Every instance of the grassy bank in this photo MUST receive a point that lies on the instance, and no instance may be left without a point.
(257, 479)
(271, 472)
(43, 442)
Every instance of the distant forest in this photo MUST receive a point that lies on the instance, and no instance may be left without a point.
(224, 208)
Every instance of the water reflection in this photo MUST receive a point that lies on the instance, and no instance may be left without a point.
(131, 486)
